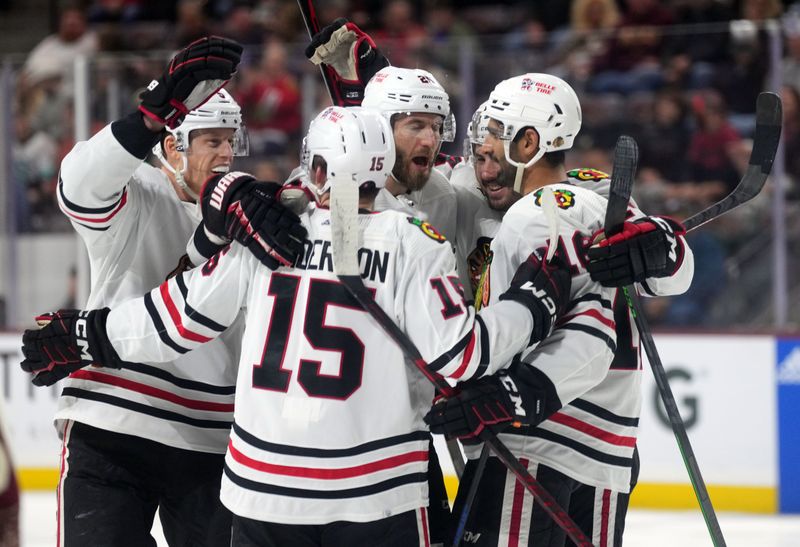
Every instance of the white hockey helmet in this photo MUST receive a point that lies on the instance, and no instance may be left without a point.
(542, 101)
(395, 90)
(356, 144)
(476, 130)
(220, 111)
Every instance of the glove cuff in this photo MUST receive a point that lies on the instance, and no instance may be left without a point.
(543, 317)
(99, 346)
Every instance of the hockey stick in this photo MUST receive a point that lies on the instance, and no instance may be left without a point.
(765, 145)
(769, 114)
(619, 196)
(344, 244)
(550, 210)
(312, 26)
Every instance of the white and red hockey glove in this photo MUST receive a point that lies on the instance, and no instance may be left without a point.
(238, 207)
(68, 340)
(193, 75)
(647, 247)
(351, 54)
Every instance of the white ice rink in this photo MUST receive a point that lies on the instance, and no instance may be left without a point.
(644, 528)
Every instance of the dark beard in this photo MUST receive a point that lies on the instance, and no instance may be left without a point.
(404, 177)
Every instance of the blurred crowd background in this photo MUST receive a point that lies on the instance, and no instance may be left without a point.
(681, 76)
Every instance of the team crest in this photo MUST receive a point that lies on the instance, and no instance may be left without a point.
(588, 174)
(482, 292)
(564, 198)
(476, 261)
(428, 229)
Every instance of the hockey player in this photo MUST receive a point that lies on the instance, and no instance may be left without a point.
(588, 383)
(328, 446)
(141, 438)
(416, 105)
(418, 108)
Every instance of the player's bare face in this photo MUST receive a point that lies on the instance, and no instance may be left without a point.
(209, 152)
(495, 174)
(416, 138)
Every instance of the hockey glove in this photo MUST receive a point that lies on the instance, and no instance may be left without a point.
(647, 247)
(482, 407)
(351, 54)
(68, 341)
(238, 207)
(543, 287)
(192, 77)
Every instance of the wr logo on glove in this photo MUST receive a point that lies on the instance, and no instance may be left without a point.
(152, 85)
(218, 194)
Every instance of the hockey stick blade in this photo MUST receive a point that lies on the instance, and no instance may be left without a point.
(769, 113)
(356, 287)
(626, 159)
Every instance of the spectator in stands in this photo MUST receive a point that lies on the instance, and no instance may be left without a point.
(633, 60)
(270, 101)
(241, 25)
(586, 39)
(33, 165)
(401, 36)
(114, 11)
(692, 53)
(53, 57)
(447, 34)
(664, 138)
(191, 23)
(713, 143)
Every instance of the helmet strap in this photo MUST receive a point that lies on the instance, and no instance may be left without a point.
(179, 179)
(519, 165)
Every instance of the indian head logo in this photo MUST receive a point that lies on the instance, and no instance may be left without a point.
(564, 198)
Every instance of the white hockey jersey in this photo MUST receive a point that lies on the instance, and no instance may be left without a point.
(328, 419)
(434, 203)
(592, 357)
(136, 229)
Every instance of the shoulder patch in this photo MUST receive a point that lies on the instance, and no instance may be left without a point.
(427, 229)
(587, 174)
(564, 198)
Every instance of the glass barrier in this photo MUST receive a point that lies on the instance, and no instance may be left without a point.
(686, 94)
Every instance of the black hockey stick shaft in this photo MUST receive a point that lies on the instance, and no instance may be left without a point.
(769, 113)
(312, 26)
(473, 489)
(355, 286)
(619, 196)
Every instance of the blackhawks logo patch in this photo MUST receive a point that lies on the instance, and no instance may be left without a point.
(587, 174)
(564, 198)
(427, 229)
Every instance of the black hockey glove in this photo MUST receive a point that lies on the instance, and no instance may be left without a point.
(194, 74)
(351, 54)
(237, 206)
(647, 247)
(543, 287)
(68, 341)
